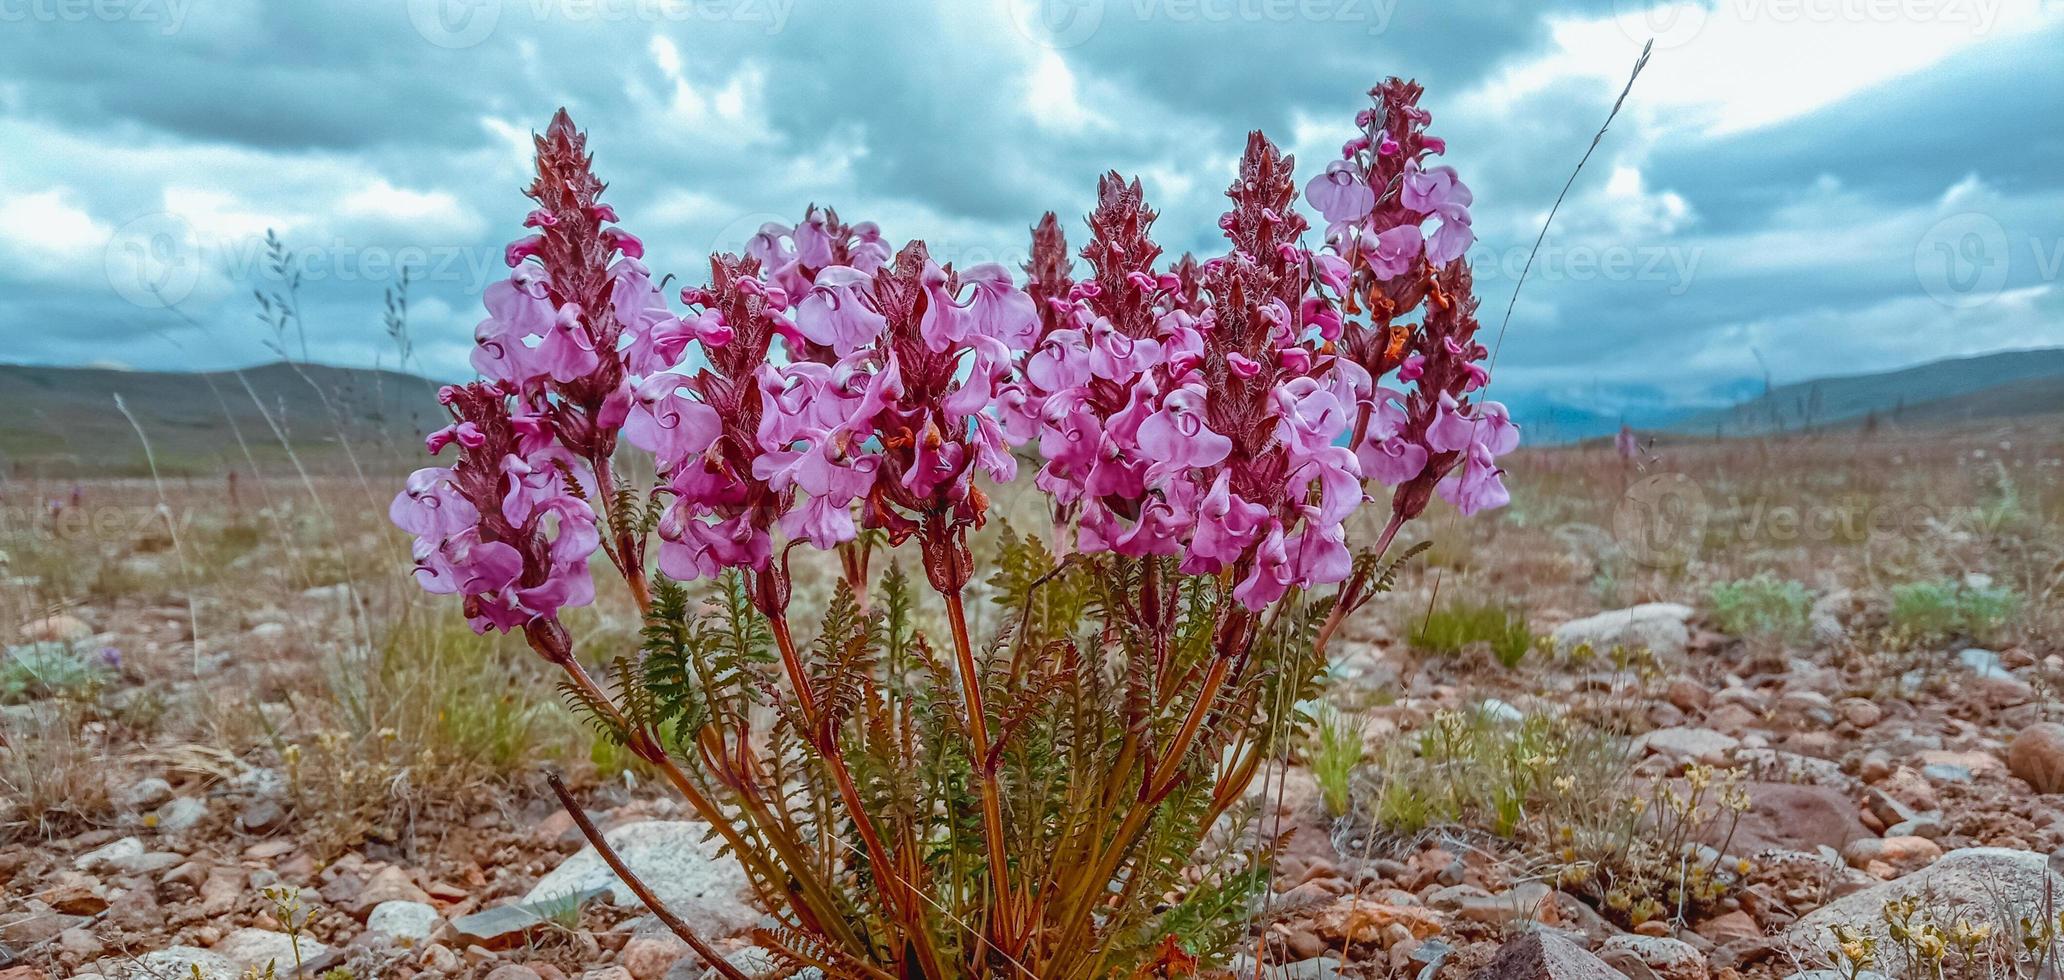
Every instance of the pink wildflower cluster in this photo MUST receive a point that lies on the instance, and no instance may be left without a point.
(508, 526)
(1378, 200)
(1195, 410)
(879, 399)
(512, 524)
(1225, 412)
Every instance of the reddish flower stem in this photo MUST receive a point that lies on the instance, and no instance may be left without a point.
(978, 739)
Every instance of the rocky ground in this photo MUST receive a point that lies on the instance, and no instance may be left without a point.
(1927, 779)
(1944, 786)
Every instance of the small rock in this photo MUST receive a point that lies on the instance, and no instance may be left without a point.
(649, 957)
(1657, 627)
(261, 816)
(408, 923)
(1687, 695)
(606, 973)
(184, 962)
(1729, 927)
(2037, 756)
(513, 971)
(677, 861)
(1904, 855)
(392, 883)
(74, 894)
(440, 959)
(1668, 959)
(1502, 712)
(1691, 744)
(35, 925)
(81, 943)
(110, 857)
(1530, 900)
(223, 889)
(253, 949)
(146, 793)
(1544, 955)
(181, 814)
(1982, 662)
(1359, 920)
(1861, 713)
(1790, 817)
(505, 926)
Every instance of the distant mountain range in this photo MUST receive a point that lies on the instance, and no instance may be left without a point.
(64, 421)
(1941, 392)
(1955, 390)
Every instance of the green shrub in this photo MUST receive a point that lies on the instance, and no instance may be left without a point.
(1938, 610)
(1764, 606)
(1455, 627)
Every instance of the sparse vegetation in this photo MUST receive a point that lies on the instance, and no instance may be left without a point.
(1335, 752)
(1455, 627)
(1940, 610)
(49, 670)
(1762, 607)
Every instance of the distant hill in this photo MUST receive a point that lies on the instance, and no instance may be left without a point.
(1960, 389)
(63, 421)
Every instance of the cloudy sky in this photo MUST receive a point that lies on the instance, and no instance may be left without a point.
(1803, 187)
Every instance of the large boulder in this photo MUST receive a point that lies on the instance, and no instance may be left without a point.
(1657, 627)
(1982, 884)
(672, 858)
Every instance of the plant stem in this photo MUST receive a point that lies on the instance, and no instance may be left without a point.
(825, 740)
(631, 881)
(978, 739)
(1340, 610)
(630, 559)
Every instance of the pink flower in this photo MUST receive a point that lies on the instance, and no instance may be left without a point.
(995, 308)
(1475, 485)
(1226, 526)
(671, 426)
(1440, 193)
(835, 312)
(1391, 253)
(1176, 438)
(1391, 461)
(1340, 193)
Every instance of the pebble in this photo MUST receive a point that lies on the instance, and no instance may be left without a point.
(1903, 855)
(405, 921)
(1668, 959)
(2037, 756)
